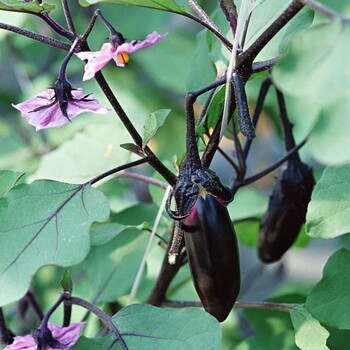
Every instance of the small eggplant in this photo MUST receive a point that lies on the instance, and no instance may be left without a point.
(287, 211)
(213, 256)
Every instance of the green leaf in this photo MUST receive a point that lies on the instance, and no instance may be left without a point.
(339, 339)
(154, 122)
(328, 213)
(44, 223)
(8, 180)
(202, 71)
(281, 341)
(148, 328)
(329, 141)
(21, 5)
(131, 147)
(248, 203)
(97, 343)
(329, 300)
(320, 54)
(103, 233)
(264, 13)
(165, 5)
(309, 334)
(271, 322)
(89, 153)
(214, 112)
(118, 263)
(152, 328)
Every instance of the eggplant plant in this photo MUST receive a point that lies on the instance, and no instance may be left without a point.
(135, 147)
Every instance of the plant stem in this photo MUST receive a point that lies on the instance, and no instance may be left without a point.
(224, 40)
(263, 305)
(30, 298)
(35, 36)
(138, 278)
(47, 316)
(68, 17)
(205, 18)
(245, 60)
(6, 337)
(166, 275)
(142, 178)
(192, 155)
(56, 27)
(325, 10)
(115, 170)
(287, 125)
(258, 109)
(106, 319)
(63, 70)
(249, 180)
(152, 159)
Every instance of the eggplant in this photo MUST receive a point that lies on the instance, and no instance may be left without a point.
(286, 212)
(213, 256)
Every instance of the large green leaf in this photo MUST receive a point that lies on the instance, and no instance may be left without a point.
(147, 327)
(165, 5)
(44, 223)
(21, 5)
(329, 141)
(90, 152)
(329, 300)
(118, 263)
(315, 67)
(309, 334)
(329, 210)
(8, 179)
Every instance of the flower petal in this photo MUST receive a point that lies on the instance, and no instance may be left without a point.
(66, 335)
(136, 45)
(41, 112)
(25, 342)
(96, 60)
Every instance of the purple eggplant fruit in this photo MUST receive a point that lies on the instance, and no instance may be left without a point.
(213, 256)
(286, 212)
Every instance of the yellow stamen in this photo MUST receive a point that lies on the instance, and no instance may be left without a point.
(123, 57)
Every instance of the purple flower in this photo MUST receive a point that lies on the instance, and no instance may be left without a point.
(57, 106)
(65, 335)
(117, 51)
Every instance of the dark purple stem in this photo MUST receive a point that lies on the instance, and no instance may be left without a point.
(35, 36)
(152, 159)
(245, 60)
(68, 16)
(6, 337)
(287, 125)
(46, 318)
(106, 319)
(56, 27)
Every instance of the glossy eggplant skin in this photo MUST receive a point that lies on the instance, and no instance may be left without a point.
(213, 256)
(287, 211)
